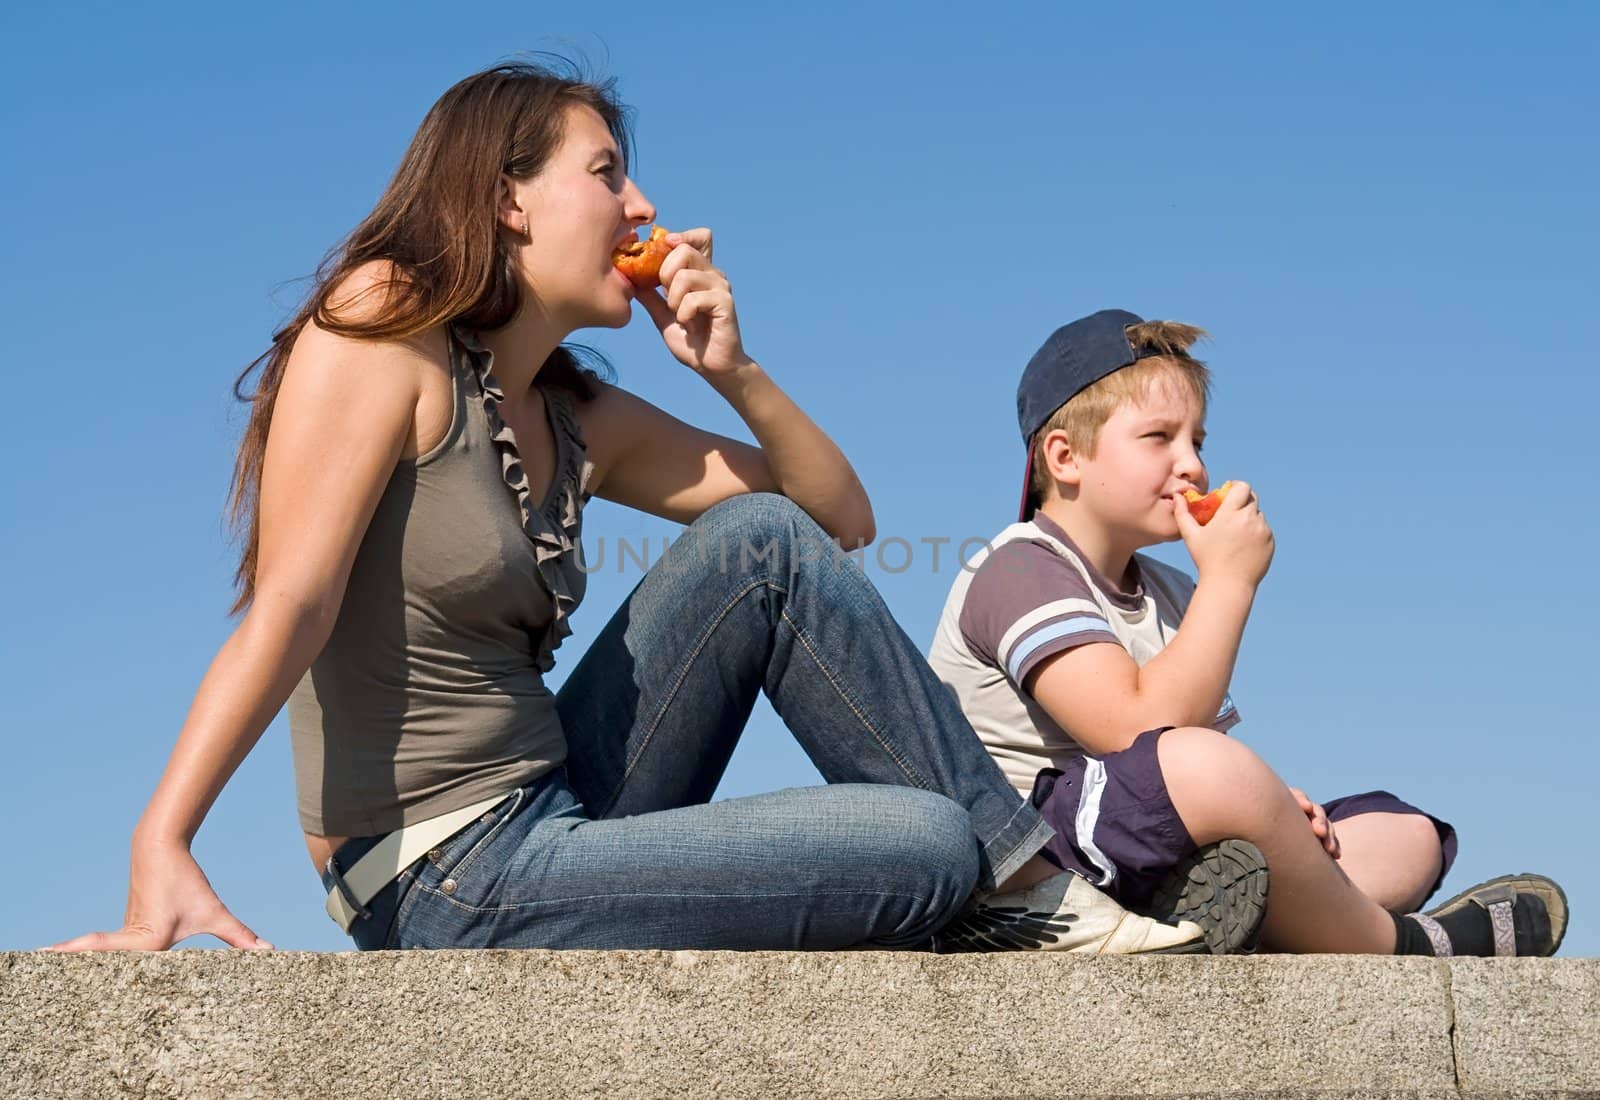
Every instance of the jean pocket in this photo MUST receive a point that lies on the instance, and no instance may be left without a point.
(456, 856)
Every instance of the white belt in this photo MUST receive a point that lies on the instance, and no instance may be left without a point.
(393, 854)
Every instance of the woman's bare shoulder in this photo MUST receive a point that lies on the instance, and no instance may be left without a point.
(410, 373)
(361, 297)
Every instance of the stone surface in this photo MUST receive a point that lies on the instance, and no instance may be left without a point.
(1526, 1026)
(856, 1024)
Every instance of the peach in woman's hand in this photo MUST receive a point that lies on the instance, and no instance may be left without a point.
(641, 261)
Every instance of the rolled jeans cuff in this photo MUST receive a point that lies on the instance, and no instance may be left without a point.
(1019, 841)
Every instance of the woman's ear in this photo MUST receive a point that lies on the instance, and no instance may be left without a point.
(509, 210)
(1060, 458)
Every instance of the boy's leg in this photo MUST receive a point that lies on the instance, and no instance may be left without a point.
(1116, 826)
(1395, 853)
(1222, 789)
(1114, 822)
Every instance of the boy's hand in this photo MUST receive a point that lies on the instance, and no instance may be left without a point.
(1321, 827)
(1236, 543)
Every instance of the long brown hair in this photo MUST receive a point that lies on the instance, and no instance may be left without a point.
(436, 228)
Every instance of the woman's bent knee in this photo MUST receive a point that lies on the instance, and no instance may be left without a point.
(755, 531)
(925, 852)
(752, 514)
(951, 847)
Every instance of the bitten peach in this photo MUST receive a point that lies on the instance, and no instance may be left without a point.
(641, 261)
(1202, 508)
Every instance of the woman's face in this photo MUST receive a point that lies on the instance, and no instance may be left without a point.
(579, 209)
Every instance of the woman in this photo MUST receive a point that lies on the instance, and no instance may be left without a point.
(411, 486)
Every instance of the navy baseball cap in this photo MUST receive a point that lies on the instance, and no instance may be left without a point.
(1076, 356)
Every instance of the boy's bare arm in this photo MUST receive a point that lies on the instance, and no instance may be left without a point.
(1105, 699)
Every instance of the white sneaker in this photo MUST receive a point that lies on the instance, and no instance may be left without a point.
(1064, 913)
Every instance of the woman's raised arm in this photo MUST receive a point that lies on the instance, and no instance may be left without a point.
(650, 460)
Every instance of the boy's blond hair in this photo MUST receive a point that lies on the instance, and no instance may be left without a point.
(1083, 416)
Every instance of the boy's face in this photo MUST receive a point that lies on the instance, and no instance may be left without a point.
(1146, 453)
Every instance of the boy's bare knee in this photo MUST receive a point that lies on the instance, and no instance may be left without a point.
(1422, 832)
(1393, 858)
(1193, 743)
(1198, 751)
(1219, 787)
(1412, 835)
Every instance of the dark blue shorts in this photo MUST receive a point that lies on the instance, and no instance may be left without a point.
(1116, 826)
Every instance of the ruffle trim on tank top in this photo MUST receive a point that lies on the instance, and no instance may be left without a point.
(555, 528)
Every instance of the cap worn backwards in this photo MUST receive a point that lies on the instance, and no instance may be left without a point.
(1075, 356)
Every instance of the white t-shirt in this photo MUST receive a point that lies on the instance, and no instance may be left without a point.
(1029, 596)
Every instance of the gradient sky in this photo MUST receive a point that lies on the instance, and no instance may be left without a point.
(1384, 214)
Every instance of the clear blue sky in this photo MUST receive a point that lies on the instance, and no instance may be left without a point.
(1385, 214)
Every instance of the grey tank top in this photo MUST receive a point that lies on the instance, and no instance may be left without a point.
(430, 693)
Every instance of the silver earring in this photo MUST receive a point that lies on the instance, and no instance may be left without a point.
(525, 231)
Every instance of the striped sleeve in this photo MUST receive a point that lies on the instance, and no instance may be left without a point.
(1026, 603)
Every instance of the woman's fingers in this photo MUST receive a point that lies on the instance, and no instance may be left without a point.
(232, 931)
(169, 900)
(684, 258)
(689, 280)
(701, 302)
(694, 311)
(698, 239)
(689, 306)
(696, 303)
(204, 916)
(93, 941)
(127, 939)
(229, 929)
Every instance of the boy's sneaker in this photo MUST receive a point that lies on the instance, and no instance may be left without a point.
(1527, 915)
(1222, 887)
(1064, 913)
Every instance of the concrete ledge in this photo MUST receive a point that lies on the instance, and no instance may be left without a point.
(862, 1024)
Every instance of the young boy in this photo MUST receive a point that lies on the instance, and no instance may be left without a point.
(1062, 643)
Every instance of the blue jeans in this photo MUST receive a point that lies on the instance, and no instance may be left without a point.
(621, 847)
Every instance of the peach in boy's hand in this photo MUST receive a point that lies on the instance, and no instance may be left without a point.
(1202, 508)
(1237, 542)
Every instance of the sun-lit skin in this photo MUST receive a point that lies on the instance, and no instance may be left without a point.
(561, 227)
(1119, 497)
(1128, 493)
(579, 209)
